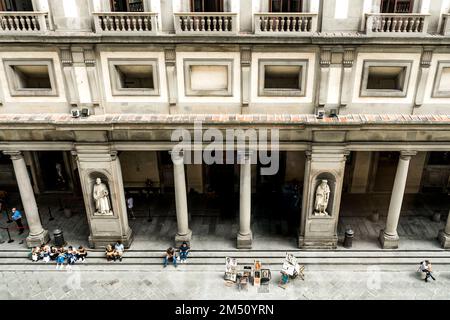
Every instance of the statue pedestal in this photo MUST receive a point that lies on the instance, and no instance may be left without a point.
(101, 241)
(38, 239)
(244, 241)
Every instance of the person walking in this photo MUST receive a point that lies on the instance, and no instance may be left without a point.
(130, 205)
(17, 217)
(425, 266)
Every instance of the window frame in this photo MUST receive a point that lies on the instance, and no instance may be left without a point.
(436, 93)
(396, 2)
(289, 1)
(114, 77)
(111, 3)
(219, 4)
(189, 92)
(12, 79)
(391, 93)
(277, 92)
(4, 6)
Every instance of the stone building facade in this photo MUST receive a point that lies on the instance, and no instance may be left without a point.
(358, 89)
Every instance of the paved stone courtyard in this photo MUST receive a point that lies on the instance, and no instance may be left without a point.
(176, 284)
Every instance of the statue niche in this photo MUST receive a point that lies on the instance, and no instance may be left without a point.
(101, 197)
(322, 198)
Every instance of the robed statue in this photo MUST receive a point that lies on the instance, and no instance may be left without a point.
(101, 197)
(322, 197)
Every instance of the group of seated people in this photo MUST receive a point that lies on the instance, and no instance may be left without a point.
(48, 253)
(171, 256)
(114, 252)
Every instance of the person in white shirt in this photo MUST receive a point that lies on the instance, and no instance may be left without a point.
(425, 266)
(130, 205)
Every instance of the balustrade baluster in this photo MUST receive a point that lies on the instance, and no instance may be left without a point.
(22, 25)
(208, 24)
(286, 24)
(277, 23)
(128, 24)
(202, 23)
(221, 24)
(16, 23)
(30, 23)
(227, 24)
(146, 26)
(400, 22)
(294, 24)
(387, 21)
(421, 23)
(271, 24)
(139, 23)
(214, 22)
(394, 24)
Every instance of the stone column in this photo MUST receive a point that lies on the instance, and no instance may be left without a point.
(244, 237)
(183, 233)
(444, 235)
(38, 235)
(388, 237)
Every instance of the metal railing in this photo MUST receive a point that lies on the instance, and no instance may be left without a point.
(125, 23)
(24, 22)
(206, 23)
(403, 24)
(285, 23)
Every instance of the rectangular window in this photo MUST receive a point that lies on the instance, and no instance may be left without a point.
(134, 77)
(282, 77)
(396, 6)
(285, 5)
(30, 78)
(127, 5)
(207, 5)
(385, 78)
(441, 86)
(16, 5)
(208, 77)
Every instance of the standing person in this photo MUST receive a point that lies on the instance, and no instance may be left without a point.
(170, 254)
(425, 266)
(184, 250)
(17, 217)
(130, 205)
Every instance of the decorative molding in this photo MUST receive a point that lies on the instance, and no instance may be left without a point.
(170, 56)
(407, 154)
(246, 56)
(349, 57)
(66, 57)
(425, 60)
(14, 155)
(89, 57)
(325, 58)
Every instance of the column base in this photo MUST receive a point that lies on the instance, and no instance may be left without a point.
(388, 241)
(185, 237)
(38, 240)
(97, 241)
(244, 241)
(329, 243)
(444, 239)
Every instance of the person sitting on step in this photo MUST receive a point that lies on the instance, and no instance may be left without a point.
(118, 250)
(170, 255)
(110, 255)
(184, 250)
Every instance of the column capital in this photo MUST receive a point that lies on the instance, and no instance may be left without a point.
(407, 154)
(177, 156)
(244, 156)
(15, 155)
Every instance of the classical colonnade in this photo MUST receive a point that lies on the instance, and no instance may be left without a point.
(315, 231)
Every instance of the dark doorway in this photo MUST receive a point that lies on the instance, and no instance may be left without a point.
(396, 6)
(127, 5)
(207, 5)
(16, 5)
(54, 175)
(221, 181)
(285, 5)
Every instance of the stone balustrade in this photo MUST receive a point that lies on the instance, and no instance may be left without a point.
(403, 24)
(285, 23)
(24, 22)
(206, 23)
(125, 23)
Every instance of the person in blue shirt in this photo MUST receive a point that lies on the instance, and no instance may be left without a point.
(184, 250)
(60, 260)
(17, 217)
